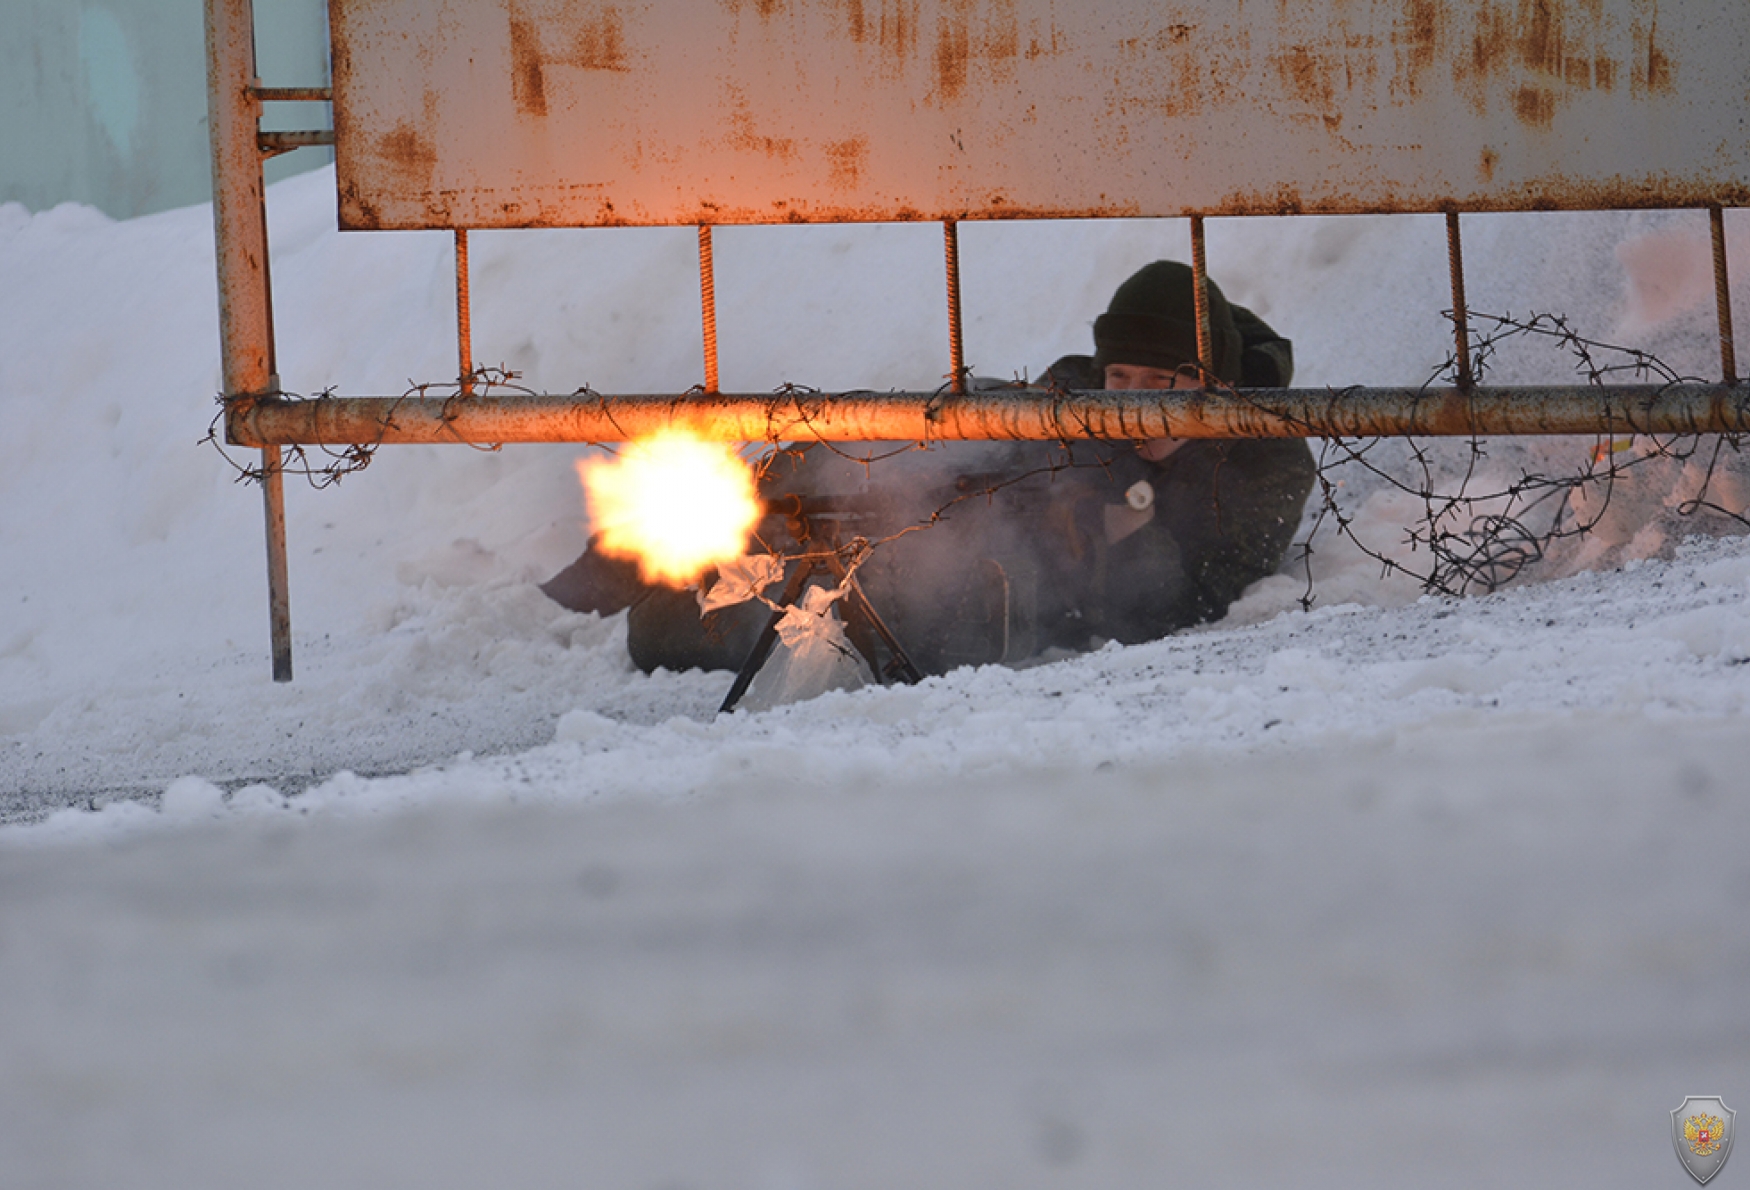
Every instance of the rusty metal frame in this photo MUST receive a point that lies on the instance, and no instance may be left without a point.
(956, 346)
(1200, 300)
(1722, 296)
(464, 318)
(258, 415)
(708, 306)
(1460, 308)
(234, 98)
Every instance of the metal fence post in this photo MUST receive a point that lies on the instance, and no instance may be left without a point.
(245, 290)
(1460, 312)
(708, 306)
(464, 319)
(1723, 296)
(1200, 301)
(956, 346)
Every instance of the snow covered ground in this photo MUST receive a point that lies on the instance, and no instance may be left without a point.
(1401, 889)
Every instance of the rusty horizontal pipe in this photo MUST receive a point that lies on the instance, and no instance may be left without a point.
(293, 94)
(285, 141)
(996, 414)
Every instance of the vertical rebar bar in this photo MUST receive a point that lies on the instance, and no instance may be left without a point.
(464, 318)
(708, 306)
(1723, 297)
(1460, 312)
(279, 578)
(956, 350)
(1200, 298)
(273, 481)
(245, 289)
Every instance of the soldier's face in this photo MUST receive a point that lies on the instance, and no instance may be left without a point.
(1135, 376)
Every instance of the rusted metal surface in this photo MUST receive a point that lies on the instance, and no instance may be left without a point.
(273, 143)
(239, 231)
(1000, 414)
(708, 306)
(464, 317)
(245, 288)
(956, 344)
(511, 113)
(1460, 307)
(1200, 299)
(279, 575)
(293, 94)
(1723, 297)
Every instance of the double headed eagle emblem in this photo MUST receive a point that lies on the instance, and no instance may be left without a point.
(1701, 1128)
(1702, 1134)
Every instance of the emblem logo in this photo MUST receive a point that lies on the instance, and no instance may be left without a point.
(1701, 1128)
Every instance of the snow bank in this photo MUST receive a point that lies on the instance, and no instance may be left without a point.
(132, 648)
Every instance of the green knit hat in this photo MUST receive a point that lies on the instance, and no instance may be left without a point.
(1152, 323)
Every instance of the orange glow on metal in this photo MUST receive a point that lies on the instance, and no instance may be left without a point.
(553, 113)
(674, 503)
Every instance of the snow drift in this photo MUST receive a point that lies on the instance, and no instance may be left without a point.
(1403, 887)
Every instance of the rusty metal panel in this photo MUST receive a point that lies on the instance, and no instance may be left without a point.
(515, 113)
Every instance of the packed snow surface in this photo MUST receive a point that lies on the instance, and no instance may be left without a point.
(1401, 889)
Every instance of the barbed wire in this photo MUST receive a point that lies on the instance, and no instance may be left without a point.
(296, 458)
(1472, 532)
(1477, 540)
